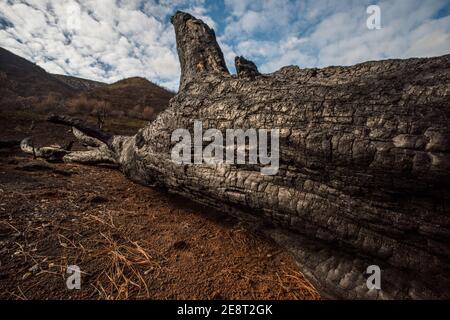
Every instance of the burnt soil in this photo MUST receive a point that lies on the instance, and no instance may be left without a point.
(130, 241)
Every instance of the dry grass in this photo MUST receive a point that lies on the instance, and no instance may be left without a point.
(128, 263)
(125, 274)
(125, 246)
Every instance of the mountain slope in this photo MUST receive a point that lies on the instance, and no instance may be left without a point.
(23, 83)
(21, 77)
(133, 93)
(79, 83)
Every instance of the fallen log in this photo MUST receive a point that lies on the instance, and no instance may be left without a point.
(364, 165)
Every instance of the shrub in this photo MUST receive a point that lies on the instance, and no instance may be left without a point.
(79, 105)
(48, 103)
(148, 113)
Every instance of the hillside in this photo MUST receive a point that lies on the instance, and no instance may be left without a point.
(132, 95)
(20, 77)
(79, 83)
(24, 85)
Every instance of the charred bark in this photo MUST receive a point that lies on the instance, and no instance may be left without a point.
(364, 169)
(90, 131)
(97, 153)
(245, 67)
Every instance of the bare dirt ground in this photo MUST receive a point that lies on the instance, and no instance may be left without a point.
(130, 241)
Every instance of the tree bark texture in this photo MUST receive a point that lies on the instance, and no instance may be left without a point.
(364, 162)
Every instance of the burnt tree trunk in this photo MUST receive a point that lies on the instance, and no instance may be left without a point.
(364, 162)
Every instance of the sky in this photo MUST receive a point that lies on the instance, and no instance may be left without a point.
(108, 40)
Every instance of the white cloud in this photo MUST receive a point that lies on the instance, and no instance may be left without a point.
(323, 32)
(108, 40)
(103, 40)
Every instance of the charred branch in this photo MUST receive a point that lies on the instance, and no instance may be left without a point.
(245, 68)
(85, 128)
(54, 153)
(198, 50)
(98, 153)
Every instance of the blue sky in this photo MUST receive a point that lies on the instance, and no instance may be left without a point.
(108, 40)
